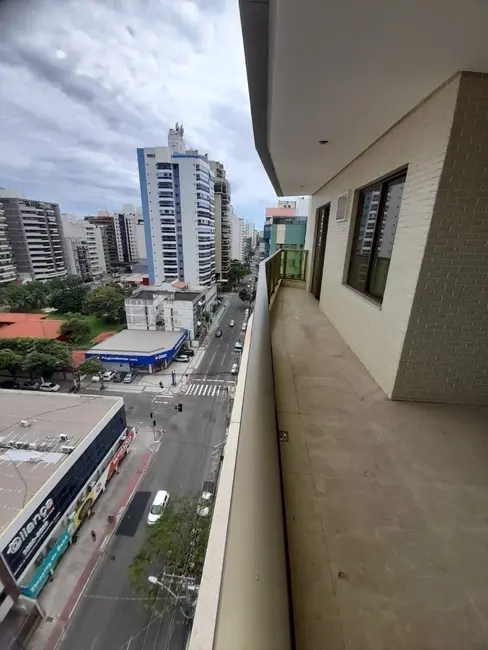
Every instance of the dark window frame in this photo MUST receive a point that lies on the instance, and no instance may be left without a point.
(382, 186)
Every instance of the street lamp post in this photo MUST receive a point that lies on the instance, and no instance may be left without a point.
(179, 601)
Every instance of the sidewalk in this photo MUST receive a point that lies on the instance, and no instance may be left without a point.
(60, 597)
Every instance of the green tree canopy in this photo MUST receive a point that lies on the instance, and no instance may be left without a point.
(11, 361)
(106, 302)
(91, 366)
(176, 544)
(40, 363)
(75, 327)
(14, 296)
(68, 298)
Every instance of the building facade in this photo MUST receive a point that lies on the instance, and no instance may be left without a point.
(238, 237)
(151, 308)
(8, 270)
(109, 237)
(177, 191)
(85, 249)
(36, 237)
(223, 236)
(126, 236)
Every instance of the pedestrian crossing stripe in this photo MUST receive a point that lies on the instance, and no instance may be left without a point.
(206, 390)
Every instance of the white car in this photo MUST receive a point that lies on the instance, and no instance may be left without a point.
(108, 375)
(49, 387)
(232, 323)
(234, 369)
(244, 327)
(96, 378)
(183, 358)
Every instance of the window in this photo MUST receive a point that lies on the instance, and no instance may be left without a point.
(374, 234)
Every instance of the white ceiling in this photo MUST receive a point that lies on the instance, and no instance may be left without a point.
(347, 71)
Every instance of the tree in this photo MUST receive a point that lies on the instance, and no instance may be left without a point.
(245, 295)
(68, 298)
(75, 327)
(91, 366)
(14, 296)
(106, 302)
(36, 295)
(40, 363)
(237, 272)
(11, 361)
(176, 544)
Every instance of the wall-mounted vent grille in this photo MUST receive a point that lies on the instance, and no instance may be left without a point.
(343, 206)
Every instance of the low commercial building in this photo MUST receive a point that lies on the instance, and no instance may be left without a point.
(56, 458)
(171, 309)
(147, 351)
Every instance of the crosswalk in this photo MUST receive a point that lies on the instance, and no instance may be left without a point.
(203, 389)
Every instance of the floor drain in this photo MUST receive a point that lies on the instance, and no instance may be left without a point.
(283, 436)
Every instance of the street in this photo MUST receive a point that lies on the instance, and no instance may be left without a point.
(108, 617)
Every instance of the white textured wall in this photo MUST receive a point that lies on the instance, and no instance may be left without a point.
(376, 333)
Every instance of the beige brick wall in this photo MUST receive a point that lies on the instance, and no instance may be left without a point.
(445, 356)
(376, 333)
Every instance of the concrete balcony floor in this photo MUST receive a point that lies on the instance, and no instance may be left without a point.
(386, 502)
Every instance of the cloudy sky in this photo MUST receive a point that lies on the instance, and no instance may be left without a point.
(85, 82)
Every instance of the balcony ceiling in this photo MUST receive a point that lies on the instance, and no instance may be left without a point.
(346, 72)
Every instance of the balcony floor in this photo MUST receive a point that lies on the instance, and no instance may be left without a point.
(386, 502)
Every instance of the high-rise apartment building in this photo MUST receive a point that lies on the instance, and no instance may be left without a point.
(84, 247)
(223, 235)
(106, 220)
(126, 236)
(177, 191)
(238, 237)
(8, 271)
(36, 236)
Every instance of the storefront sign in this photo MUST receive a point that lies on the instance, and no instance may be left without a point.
(84, 509)
(24, 545)
(33, 589)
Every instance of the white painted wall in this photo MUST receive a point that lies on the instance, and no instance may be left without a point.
(376, 333)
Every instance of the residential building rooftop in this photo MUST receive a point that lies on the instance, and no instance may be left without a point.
(35, 328)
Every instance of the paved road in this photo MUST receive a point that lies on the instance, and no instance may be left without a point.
(107, 617)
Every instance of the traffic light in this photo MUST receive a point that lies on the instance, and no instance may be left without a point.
(179, 407)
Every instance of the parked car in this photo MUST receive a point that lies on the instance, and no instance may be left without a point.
(238, 346)
(29, 385)
(190, 352)
(235, 368)
(218, 334)
(232, 323)
(10, 383)
(49, 387)
(108, 375)
(96, 378)
(244, 326)
(130, 376)
(184, 358)
(118, 377)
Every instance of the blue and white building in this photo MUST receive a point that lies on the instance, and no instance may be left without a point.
(177, 192)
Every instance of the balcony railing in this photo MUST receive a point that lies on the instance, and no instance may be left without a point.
(244, 599)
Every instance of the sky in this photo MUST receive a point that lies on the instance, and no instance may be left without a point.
(84, 83)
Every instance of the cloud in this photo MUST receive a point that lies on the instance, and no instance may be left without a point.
(97, 79)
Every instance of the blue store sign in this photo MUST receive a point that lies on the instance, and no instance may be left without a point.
(139, 359)
(33, 589)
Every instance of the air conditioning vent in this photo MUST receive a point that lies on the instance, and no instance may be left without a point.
(343, 206)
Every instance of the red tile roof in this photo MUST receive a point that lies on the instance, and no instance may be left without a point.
(103, 337)
(8, 318)
(32, 329)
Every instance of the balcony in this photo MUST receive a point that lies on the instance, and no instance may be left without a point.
(343, 520)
